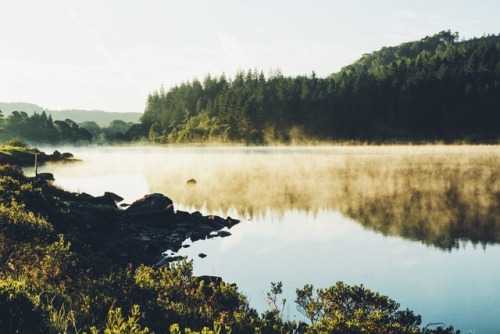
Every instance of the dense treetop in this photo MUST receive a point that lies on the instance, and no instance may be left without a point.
(437, 88)
(42, 128)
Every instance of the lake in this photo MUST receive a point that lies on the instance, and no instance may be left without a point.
(420, 224)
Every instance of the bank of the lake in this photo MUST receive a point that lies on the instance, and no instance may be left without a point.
(73, 262)
(417, 223)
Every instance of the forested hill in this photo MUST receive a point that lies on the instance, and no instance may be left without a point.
(437, 88)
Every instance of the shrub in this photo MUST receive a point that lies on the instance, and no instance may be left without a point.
(17, 142)
(19, 311)
(11, 171)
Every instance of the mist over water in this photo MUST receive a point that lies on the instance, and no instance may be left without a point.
(420, 224)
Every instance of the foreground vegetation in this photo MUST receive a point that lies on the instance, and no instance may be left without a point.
(53, 281)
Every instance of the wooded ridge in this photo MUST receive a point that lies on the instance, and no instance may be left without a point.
(437, 88)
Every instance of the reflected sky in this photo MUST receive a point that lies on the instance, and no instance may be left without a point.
(458, 287)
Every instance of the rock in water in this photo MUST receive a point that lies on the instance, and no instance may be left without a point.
(151, 204)
(113, 196)
(45, 177)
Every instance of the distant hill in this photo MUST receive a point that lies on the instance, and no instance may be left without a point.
(102, 118)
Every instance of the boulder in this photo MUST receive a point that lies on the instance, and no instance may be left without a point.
(103, 200)
(224, 234)
(195, 236)
(45, 177)
(106, 199)
(151, 204)
(67, 155)
(231, 222)
(116, 198)
(84, 196)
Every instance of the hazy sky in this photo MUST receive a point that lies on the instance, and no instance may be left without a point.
(110, 54)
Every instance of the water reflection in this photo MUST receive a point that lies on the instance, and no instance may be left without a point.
(438, 195)
(314, 215)
(458, 288)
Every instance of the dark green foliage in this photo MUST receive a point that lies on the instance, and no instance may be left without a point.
(102, 118)
(438, 88)
(117, 131)
(42, 128)
(354, 309)
(16, 142)
(18, 309)
(11, 170)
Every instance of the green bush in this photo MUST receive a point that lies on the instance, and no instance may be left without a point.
(11, 171)
(16, 223)
(19, 309)
(354, 309)
(116, 324)
(17, 142)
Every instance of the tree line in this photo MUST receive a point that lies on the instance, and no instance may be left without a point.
(41, 128)
(437, 88)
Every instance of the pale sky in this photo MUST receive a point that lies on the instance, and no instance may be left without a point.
(110, 54)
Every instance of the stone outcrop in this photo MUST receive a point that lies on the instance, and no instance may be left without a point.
(149, 231)
(153, 204)
(26, 157)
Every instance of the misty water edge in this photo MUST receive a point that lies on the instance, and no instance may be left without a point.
(420, 224)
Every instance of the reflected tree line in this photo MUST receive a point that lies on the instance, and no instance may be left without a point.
(438, 198)
(437, 205)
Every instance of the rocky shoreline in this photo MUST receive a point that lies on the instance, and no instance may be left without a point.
(26, 156)
(149, 231)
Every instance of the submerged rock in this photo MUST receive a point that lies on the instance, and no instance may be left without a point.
(224, 234)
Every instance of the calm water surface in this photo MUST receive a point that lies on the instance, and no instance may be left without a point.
(302, 238)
